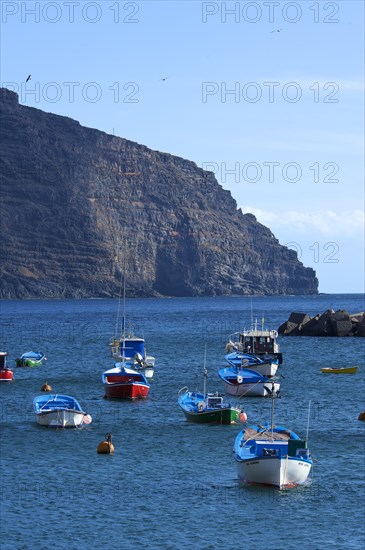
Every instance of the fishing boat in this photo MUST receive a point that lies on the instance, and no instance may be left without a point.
(6, 374)
(260, 341)
(246, 382)
(339, 370)
(133, 347)
(207, 407)
(59, 411)
(135, 353)
(123, 382)
(30, 359)
(267, 366)
(272, 455)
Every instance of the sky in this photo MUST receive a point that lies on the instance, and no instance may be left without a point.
(268, 95)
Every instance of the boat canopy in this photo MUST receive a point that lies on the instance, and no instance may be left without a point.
(132, 346)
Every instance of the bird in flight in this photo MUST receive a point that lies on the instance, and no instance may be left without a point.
(165, 78)
(277, 30)
(28, 78)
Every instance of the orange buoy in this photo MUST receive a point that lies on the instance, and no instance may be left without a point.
(106, 446)
(243, 416)
(362, 416)
(46, 387)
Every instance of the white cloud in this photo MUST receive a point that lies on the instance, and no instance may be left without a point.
(325, 222)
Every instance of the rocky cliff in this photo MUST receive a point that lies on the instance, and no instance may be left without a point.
(71, 195)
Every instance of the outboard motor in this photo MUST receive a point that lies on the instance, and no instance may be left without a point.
(139, 359)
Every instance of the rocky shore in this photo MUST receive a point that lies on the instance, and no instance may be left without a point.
(329, 323)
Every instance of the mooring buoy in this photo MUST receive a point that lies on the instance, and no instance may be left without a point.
(106, 446)
(362, 416)
(46, 387)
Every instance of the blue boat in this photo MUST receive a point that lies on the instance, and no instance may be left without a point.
(266, 365)
(59, 411)
(272, 455)
(30, 359)
(241, 382)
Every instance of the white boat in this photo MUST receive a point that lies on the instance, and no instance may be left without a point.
(272, 455)
(262, 342)
(245, 382)
(266, 366)
(59, 411)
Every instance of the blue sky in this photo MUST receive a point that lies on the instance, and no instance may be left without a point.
(268, 95)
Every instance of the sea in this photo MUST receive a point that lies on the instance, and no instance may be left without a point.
(171, 484)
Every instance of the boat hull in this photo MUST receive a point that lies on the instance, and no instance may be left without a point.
(345, 370)
(126, 391)
(6, 375)
(122, 387)
(258, 389)
(224, 416)
(265, 369)
(279, 472)
(60, 418)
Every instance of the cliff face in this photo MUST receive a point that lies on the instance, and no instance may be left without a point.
(71, 195)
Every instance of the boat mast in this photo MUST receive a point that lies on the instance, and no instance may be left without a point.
(122, 338)
(272, 409)
(123, 309)
(205, 373)
(118, 310)
(309, 410)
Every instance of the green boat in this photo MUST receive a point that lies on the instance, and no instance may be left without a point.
(30, 359)
(208, 408)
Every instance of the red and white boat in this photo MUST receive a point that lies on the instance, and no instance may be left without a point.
(123, 382)
(6, 374)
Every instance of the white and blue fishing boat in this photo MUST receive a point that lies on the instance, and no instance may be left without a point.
(246, 382)
(260, 341)
(272, 455)
(30, 359)
(59, 411)
(266, 365)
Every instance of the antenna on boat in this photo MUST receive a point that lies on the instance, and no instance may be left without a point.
(123, 310)
(272, 409)
(205, 371)
(309, 411)
(118, 310)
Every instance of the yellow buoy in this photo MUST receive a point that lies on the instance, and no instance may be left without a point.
(46, 387)
(106, 446)
(362, 416)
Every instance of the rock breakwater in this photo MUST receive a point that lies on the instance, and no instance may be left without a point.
(329, 323)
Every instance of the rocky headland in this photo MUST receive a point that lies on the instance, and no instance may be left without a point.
(71, 196)
(329, 323)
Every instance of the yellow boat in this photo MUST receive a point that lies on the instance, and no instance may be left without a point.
(339, 370)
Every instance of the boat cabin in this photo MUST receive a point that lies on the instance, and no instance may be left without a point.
(214, 402)
(259, 341)
(3, 356)
(132, 347)
(277, 449)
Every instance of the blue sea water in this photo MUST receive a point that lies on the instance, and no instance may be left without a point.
(171, 484)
